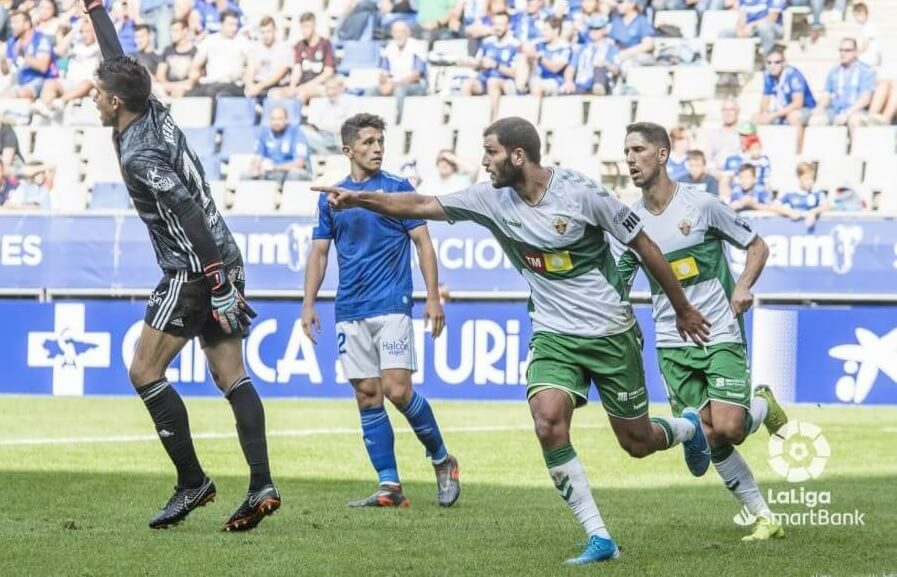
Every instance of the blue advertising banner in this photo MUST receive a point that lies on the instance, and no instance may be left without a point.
(807, 354)
(113, 252)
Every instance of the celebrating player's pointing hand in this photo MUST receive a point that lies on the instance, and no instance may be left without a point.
(338, 198)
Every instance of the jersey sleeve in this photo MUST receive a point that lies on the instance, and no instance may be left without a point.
(467, 204)
(409, 223)
(723, 221)
(324, 227)
(105, 31)
(605, 211)
(769, 88)
(627, 266)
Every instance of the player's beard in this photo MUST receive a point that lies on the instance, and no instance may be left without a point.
(506, 174)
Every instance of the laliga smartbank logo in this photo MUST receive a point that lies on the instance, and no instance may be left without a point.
(799, 452)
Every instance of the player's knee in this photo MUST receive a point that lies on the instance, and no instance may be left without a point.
(732, 433)
(140, 375)
(635, 444)
(550, 431)
(400, 395)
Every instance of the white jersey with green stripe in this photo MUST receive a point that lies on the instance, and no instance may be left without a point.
(690, 233)
(559, 247)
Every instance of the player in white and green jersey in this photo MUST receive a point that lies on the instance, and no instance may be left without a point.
(690, 226)
(552, 223)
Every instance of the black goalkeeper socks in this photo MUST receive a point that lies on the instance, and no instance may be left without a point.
(250, 417)
(170, 417)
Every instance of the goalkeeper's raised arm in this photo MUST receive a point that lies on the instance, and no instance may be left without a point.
(104, 29)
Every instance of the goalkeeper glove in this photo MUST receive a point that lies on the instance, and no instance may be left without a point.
(229, 307)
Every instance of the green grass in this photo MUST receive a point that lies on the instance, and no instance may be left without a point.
(81, 509)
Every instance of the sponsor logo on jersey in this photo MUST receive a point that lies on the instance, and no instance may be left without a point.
(549, 262)
(685, 227)
(396, 348)
(511, 222)
(158, 182)
(560, 225)
(685, 268)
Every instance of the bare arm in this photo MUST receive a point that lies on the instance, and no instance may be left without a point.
(315, 268)
(398, 205)
(430, 271)
(689, 321)
(757, 253)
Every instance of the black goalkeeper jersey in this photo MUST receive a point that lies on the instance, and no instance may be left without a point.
(161, 171)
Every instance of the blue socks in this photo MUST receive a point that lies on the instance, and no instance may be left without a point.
(379, 441)
(420, 417)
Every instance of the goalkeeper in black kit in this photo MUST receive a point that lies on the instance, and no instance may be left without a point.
(201, 290)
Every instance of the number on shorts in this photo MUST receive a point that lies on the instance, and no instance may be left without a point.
(341, 343)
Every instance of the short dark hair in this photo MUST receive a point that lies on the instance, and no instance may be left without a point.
(24, 14)
(777, 49)
(554, 22)
(229, 14)
(505, 14)
(696, 155)
(127, 79)
(308, 16)
(653, 133)
(748, 167)
(515, 132)
(146, 27)
(354, 125)
(860, 7)
(267, 21)
(853, 41)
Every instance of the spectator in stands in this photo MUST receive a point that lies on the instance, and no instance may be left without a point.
(32, 192)
(816, 7)
(848, 90)
(83, 56)
(314, 62)
(124, 27)
(8, 184)
(440, 19)
(697, 175)
(582, 16)
(282, 151)
(883, 107)
(210, 14)
(724, 141)
(633, 33)
(403, 71)
(157, 14)
(326, 116)
(528, 25)
(760, 19)
(451, 174)
(47, 21)
(869, 49)
(747, 193)
(807, 201)
(681, 144)
(846, 199)
(173, 73)
(548, 59)
(270, 61)
(479, 27)
(223, 56)
(146, 53)
(597, 64)
(751, 153)
(787, 97)
(497, 63)
(9, 146)
(30, 53)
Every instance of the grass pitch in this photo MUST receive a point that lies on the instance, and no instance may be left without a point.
(81, 478)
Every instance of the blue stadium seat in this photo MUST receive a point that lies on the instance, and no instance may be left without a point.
(234, 111)
(109, 195)
(359, 55)
(294, 108)
(238, 140)
(201, 140)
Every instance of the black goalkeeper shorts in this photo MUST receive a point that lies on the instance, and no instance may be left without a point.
(181, 306)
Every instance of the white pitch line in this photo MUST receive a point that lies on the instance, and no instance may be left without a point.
(42, 441)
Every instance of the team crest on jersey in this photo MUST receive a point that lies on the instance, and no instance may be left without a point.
(685, 227)
(560, 225)
(159, 182)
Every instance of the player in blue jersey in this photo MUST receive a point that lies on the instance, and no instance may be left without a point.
(373, 312)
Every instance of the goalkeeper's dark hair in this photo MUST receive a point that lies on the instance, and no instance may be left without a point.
(514, 132)
(354, 125)
(653, 133)
(124, 77)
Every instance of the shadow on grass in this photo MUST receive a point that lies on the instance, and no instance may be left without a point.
(72, 524)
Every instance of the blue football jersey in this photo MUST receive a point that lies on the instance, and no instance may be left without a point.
(373, 252)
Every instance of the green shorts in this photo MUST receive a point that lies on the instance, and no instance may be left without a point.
(694, 376)
(572, 364)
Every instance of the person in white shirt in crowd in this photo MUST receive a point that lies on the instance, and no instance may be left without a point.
(47, 20)
(221, 60)
(724, 140)
(270, 62)
(548, 59)
(451, 173)
(173, 73)
(326, 115)
(83, 52)
(597, 64)
(403, 68)
(32, 192)
(883, 108)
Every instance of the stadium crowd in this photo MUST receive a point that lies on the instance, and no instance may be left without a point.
(261, 89)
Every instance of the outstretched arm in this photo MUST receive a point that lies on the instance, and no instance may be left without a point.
(104, 29)
(400, 205)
